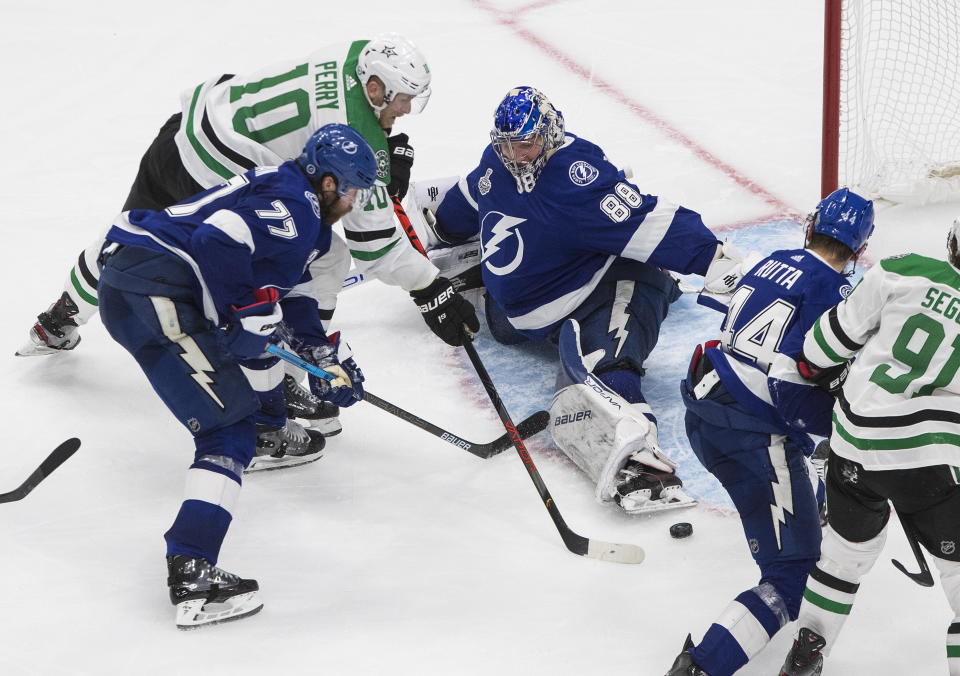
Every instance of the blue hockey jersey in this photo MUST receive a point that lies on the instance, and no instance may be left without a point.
(260, 230)
(762, 336)
(546, 250)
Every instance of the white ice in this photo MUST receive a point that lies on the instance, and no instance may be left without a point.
(397, 553)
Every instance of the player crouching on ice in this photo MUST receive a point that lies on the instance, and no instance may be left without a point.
(196, 293)
(749, 417)
(572, 252)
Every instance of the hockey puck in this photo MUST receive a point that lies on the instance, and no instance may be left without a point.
(681, 530)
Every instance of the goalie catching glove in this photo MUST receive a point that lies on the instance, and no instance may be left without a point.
(445, 311)
(336, 358)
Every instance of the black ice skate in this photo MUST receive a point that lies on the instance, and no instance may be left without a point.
(323, 416)
(684, 664)
(287, 446)
(643, 489)
(55, 330)
(805, 659)
(205, 594)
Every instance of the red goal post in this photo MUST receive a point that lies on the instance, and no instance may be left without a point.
(891, 99)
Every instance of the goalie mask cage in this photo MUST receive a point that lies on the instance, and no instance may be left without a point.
(891, 99)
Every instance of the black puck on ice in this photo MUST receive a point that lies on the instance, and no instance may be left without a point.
(681, 530)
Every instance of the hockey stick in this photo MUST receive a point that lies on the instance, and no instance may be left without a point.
(595, 549)
(52, 461)
(527, 427)
(923, 578)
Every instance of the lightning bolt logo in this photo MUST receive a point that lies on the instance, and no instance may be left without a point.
(192, 355)
(500, 230)
(782, 489)
(618, 314)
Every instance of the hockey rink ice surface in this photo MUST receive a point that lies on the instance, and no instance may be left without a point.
(398, 553)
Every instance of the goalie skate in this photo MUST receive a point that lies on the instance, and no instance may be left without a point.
(287, 446)
(642, 489)
(55, 330)
(205, 594)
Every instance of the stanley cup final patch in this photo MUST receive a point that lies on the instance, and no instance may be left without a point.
(583, 173)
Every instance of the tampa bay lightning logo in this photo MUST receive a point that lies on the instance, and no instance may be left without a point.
(583, 173)
(314, 202)
(498, 230)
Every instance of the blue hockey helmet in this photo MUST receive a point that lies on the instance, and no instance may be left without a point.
(341, 152)
(846, 217)
(527, 129)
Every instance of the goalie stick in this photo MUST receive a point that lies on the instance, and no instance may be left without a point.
(595, 549)
(527, 427)
(59, 455)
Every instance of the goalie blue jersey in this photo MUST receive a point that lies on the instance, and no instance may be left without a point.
(546, 250)
(762, 336)
(260, 230)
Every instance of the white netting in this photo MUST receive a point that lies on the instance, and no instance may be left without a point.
(900, 99)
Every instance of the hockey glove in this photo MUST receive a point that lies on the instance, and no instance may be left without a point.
(346, 388)
(253, 326)
(828, 379)
(401, 161)
(445, 311)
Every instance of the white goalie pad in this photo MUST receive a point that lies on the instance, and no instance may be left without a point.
(596, 427)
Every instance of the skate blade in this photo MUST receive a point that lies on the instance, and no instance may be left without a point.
(265, 463)
(33, 350)
(673, 498)
(196, 613)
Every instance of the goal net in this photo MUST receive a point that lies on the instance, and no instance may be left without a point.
(892, 98)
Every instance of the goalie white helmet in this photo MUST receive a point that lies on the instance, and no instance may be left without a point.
(400, 66)
(953, 244)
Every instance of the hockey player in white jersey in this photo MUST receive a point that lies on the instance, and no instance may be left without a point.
(572, 253)
(232, 123)
(896, 438)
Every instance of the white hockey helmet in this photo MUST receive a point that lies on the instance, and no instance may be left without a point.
(399, 65)
(953, 243)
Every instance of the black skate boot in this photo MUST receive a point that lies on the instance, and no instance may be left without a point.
(805, 659)
(205, 594)
(642, 489)
(684, 664)
(286, 446)
(323, 416)
(55, 330)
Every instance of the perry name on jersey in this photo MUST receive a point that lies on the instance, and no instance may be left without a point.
(762, 334)
(546, 250)
(900, 404)
(232, 124)
(237, 237)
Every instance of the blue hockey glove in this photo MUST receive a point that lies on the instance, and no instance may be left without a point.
(253, 326)
(336, 357)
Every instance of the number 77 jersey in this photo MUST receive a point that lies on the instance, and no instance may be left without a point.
(233, 123)
(900, 405)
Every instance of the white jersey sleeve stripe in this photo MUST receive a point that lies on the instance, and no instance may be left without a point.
(651, 232)
(233, 226)
(555, 310)
(465, 191)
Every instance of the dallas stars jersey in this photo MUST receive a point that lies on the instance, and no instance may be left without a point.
(900, 405)
(233, 123)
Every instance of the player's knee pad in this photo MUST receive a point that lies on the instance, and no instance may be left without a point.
(226, 450)
(846, 560)
(950, 579)
(788, 579)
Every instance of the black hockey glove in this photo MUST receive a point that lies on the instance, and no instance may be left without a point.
(445, 311)
(828, 379)
(401, 161)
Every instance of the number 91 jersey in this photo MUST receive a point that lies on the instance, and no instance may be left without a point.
(234, 123)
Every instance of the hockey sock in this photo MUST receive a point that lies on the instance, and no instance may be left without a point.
(205, 515)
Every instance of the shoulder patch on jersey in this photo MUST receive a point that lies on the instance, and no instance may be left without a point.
(484, 184)
(382, 164)
(845, 290)
(314, 202)
(583, 173)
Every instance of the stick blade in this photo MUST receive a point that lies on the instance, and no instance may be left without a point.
(923, 578)
(615, 553)
(59, 455)
(532, 424)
